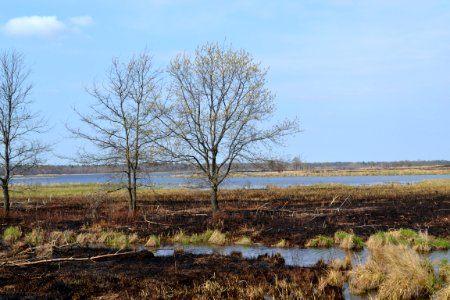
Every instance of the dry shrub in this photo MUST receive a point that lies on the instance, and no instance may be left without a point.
(397, 272)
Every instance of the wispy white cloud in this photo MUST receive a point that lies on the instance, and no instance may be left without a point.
(44, 26)
(82, 21)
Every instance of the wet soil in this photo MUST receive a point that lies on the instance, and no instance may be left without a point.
(181, 276)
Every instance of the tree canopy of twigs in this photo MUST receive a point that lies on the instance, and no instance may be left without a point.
(122, 124)
(19, 126)
(218, 111)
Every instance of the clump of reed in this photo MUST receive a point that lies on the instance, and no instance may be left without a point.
(397, 272)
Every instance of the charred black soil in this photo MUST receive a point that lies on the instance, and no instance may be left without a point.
(181, 276)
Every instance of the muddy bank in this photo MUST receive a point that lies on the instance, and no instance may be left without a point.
(141, 275)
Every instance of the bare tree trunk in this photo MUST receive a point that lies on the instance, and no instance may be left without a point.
(134, 194)
(214, 202)
(6, 202)
(130, 191)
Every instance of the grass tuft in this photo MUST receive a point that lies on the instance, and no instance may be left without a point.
(281, 244)
(59, 238)
(181, 237)
(117, 240)
(396, 272)
(440, 244)
(201, 238)
(348, 241)
(153, 241)
(217, 238)
(244, 241)
(320, 241)
(35, 237)
(12, 234)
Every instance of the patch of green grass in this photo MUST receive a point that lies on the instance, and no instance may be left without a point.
(406, 233)
(12, 234)
(320, 241)
(340, 235)
(422, 245)
(359, 243)
(35, 237)
(440, 244)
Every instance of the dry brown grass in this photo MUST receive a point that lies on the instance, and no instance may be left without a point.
(443, 294)
(396, 272)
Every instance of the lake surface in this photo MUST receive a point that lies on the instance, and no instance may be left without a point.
(167, 179)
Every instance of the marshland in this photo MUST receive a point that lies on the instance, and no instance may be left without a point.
(70, 237)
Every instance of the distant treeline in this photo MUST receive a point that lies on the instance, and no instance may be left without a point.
(267, 165)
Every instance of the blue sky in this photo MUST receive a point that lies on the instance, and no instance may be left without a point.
(368, 80)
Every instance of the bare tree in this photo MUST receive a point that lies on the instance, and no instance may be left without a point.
(18, 125)
(218, 111)
(122, 121)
